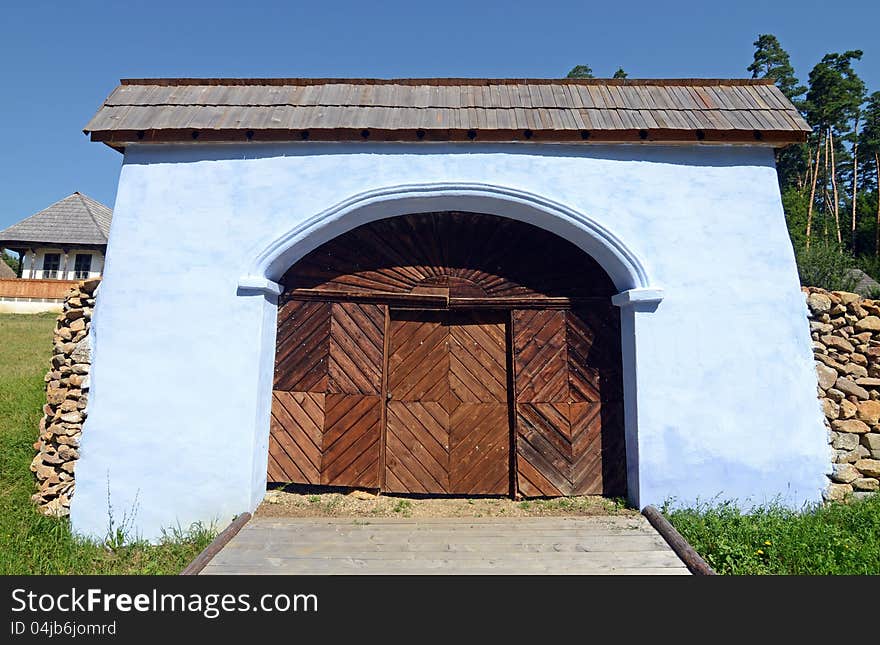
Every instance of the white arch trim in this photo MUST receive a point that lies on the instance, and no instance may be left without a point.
(622, 264)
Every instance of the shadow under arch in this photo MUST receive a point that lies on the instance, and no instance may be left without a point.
(637, 290)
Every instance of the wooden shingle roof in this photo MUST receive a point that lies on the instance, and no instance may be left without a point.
(76, 219)
(441, 109)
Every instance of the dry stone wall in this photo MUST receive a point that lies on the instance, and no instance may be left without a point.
(845, 329)
(67, 385)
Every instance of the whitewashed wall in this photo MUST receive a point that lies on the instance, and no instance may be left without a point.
(720, 380)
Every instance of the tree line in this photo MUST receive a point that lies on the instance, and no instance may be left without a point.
(829, 184)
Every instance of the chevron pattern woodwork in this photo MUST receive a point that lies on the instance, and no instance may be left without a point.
(569, 432)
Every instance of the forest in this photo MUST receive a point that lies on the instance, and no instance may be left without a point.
(829, 184)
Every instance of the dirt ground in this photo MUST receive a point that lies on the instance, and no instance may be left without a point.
(313, 501)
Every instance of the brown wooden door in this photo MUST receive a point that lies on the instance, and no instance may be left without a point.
(569, 420)
(326, 400)
(447, 427)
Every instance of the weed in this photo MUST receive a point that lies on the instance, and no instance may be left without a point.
(836, 538)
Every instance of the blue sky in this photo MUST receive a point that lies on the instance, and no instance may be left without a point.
(60, 59)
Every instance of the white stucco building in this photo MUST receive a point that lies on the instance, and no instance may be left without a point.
(60, 244)
(659, 197)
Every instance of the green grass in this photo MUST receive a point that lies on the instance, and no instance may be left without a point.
(837, 538)
(404, 507)
(31, 543)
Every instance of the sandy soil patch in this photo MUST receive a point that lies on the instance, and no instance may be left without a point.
(314, 501)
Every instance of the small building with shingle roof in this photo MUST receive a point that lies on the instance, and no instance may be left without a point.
(532, 287)
(64, 241)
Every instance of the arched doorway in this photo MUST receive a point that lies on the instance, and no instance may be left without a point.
(449, 353)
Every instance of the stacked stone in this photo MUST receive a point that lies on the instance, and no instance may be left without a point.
(66, 399)
(845, 329)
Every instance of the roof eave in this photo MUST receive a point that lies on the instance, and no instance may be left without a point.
(118, 139)
(11, 244)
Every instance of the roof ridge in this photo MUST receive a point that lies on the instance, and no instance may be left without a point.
(445, 81)
(85, 199)
(720, 108)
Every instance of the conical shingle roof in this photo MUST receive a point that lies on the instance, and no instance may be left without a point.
(77, 219)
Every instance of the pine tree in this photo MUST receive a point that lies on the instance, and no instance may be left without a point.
(620, 73)
(772, 61)
(869, 142)
(833, 101)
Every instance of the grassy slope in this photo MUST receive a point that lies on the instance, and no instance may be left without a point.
(833, 539)
(29, 542)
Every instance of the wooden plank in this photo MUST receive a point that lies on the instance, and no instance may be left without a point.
(386, 325)
(216, 545)
(695, 563)
(448, 545)
(371, 296)
(486, 558)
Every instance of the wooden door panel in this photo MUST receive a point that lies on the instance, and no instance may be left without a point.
(326, 408)
(416, 447)
(417, 423)
(559, 449)
(352, 429)
(540, 358)
(569, 440)
(478, 358)
(356, 356)
(418, 358)
(593, 346)
(302, 347)
(479, 460)
(295, 438)
(585, 471)
(543, 443)
(613, 448)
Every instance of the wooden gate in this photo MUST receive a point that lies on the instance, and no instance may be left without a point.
(447, 427)
(449, 353)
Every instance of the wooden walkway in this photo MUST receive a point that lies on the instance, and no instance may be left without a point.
(535, 545)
